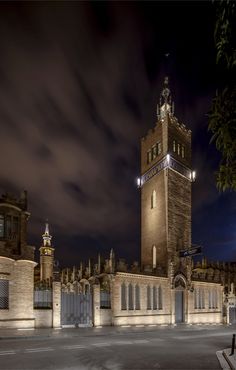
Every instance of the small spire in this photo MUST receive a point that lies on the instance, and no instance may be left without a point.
(46, 236)
(165, 106)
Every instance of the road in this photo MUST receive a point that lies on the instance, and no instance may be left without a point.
(119, 349)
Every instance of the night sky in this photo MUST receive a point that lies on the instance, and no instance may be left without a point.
(79, 84)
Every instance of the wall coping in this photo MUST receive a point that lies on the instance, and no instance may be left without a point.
(140, 276)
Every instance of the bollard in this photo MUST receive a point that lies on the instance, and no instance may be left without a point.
(233, 345)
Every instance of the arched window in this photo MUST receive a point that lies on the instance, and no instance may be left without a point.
(154, 294)
(160, 300)
(149, 306)
(153, 199)
(215, 299)
(210, 295)
(196, 295)
(123, 297)
(174, 146)
(154, 257)
(202, 298)
(131, 300)
(137, 297)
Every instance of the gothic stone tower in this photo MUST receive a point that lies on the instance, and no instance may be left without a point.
(46, 256)
(165, 182)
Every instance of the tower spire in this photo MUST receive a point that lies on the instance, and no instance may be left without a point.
(166, 106)
(46, 236)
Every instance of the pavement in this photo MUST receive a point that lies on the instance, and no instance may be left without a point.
(226, 360)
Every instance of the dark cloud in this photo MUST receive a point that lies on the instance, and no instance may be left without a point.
(79, 87)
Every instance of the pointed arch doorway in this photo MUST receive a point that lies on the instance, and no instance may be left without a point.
(180, 287)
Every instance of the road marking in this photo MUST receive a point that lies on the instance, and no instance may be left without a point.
(141, 341)
(139, 326)
(123, 342)
(125, 326)
(101, 344)
(74, 347)
(184, 337)
(32, 350)
(4, 353)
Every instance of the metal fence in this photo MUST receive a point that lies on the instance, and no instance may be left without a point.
(105, 299)
(4, 294)
(43, 298)
(232, 315)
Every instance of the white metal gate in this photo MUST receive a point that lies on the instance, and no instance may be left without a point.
(76, 309)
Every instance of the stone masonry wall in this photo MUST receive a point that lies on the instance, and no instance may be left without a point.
(153, 221)
(20, 274)
(142, 316)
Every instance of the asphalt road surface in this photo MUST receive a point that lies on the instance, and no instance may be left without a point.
(191, 348)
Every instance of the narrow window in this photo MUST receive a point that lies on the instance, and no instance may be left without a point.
(154, 295)
(137, 297)
(159, 148)
(1, 226)
(131, 300)
(183, 151)
(210, 299)
(196, 294)
(153, 199)
(149, 156)
(178, 149)
(215, 300)
(154, 152)
(174, 146)
(8, 227)
(4, 294)
(123, 297)
(154, 257)
(160, 300)
(15, 227)
(202, 299)
(149, 298)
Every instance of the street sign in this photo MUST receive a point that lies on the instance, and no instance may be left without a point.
(190, 252)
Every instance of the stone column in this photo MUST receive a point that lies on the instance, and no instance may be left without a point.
(56, 307)
(96, 305)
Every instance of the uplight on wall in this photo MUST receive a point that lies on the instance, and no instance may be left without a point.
(193, 176)
(168, 158)
(138, 182)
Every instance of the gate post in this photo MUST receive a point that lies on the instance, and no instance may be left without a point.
(56, 307)
(96, 305)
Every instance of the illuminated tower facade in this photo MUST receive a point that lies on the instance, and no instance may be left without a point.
(46, 256)
(165, 183)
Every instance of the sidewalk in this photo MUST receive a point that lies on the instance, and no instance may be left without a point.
(43, 333)
(230, 359)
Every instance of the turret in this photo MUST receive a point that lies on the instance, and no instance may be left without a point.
(46, 256)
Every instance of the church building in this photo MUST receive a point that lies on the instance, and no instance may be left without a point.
(165, 288)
